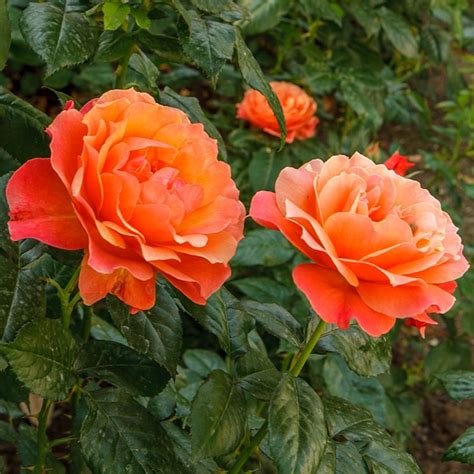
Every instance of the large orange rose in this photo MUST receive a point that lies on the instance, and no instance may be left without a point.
(298, 108)
(381, 246)
(139, 188)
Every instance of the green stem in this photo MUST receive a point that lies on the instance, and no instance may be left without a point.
(245, 454)
(122, 68)
(43, 445)
(294, 371)
(87, 322)
(308, 349)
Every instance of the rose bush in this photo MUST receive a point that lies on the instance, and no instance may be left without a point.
(140, 189)
(298, 108)
(381, 246)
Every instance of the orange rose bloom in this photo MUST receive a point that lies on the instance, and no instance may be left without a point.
(381, 246)
(139, 188)
(298, 108)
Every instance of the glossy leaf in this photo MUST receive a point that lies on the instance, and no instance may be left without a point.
(203, 362)
(297, 431)
(462, 449)
(5, 34)
(119, 435)
(262, 384)
(398, 32)
(264, 290)
(42, 357)
(121, 366)
(253, 76)
(115, 14)
(218, 417)
(264, 168)
(276, 320)
(459, 384)
(365, 355)
(58, 33)
(156, 333)
(264, 15)
(23, 128)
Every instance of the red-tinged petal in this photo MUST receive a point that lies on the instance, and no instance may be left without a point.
(40, 207)
(399, 164)
(404, 301)
(67, 132)
(337, 302)
(94, 286)
(264, 210)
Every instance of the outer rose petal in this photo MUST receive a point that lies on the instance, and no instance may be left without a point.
(336, 301)
(264, 210)
(399, 164)
(40, 207)
(93, 286)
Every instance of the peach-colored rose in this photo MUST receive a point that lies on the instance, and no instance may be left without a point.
(298, 108)
(140, 189)
(381, 246)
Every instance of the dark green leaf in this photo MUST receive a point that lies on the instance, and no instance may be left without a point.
(121, 366)
(220, 317)
(157, 333)
(22, 126)
(5, 34)
(459, 384)
(61, 36)
(265, 167)
(261, 384)
(254, 77)
(23, 290)
(42, 356)
(276, 320)
(104, 331)
(297, 432)
(203, 362)
(448, 355)
(365, 355)
(115, 14)
(263, 247)
(325, 10)
(11, 389)
(264, 15)
(462, 449)
(348, 459)
(264, 290)
(213, 6)
(218, 417)
(7, 433)
(190, 105)
(398, 32)
(142, 73)
(256, 358)
(166, 47)
(119, 435)
(328, 461)
(209, 44)
(364, 14)
(113, 45)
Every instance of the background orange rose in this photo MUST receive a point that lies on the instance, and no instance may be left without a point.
(298, 108)
(138, 187)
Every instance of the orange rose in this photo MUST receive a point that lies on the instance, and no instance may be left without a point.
(139, 188)
(298, 108)
(381, 246)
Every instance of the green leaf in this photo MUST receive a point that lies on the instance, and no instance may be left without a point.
(398, 32)
(325, 9)
(142, 73)
(448, 355)
(42, 356)
(22, 126)
(264, 15)
(121, 366)
(11, 389)
(264, 290)
(164, 46)
(7, 433)
(213, 6)
(459, 384)
(190, 105)
(261, 384)
(364, 15)
(5, 34)
(23, 290)
(210, 44)
(203, 362)
(263, 247)
(218, 417)
(297, 432)
(462, 449)
(254, 77)
(156, 333)
(119, 435)
(115, 14)
(61, 36)
(365, 355)
(113, 45)
(264, 168)
(348, 458)
(350, 424)
(221, 317)
(276, 320)
(104, 331)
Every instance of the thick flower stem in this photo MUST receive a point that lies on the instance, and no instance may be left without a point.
(43, 445)
(295, 371)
